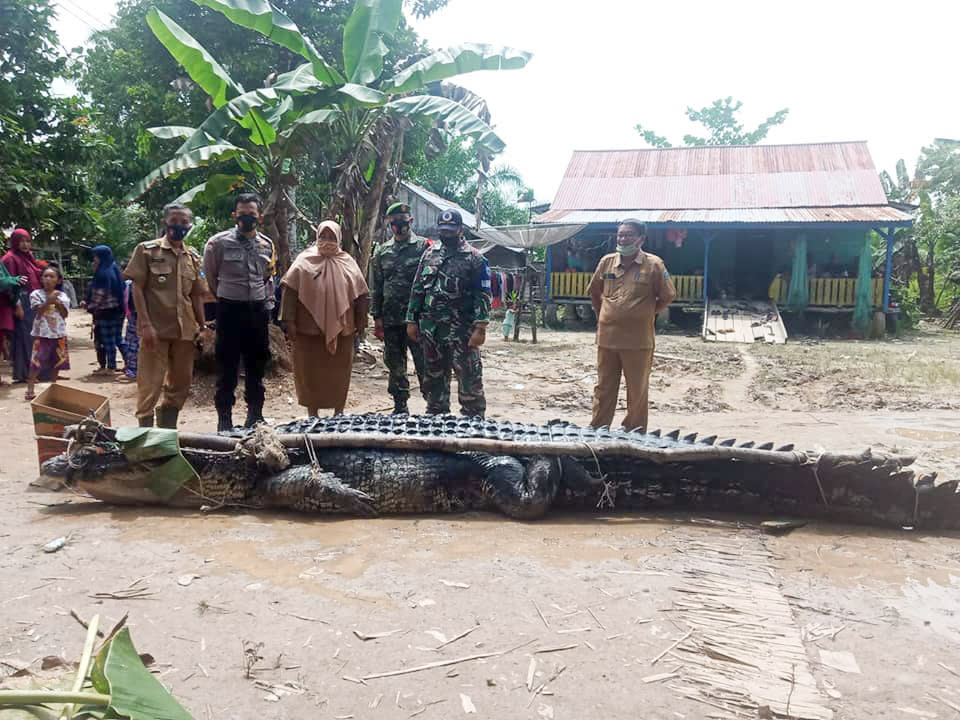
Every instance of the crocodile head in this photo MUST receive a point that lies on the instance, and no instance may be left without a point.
(102, 470)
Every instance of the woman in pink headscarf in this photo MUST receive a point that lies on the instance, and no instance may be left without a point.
(21, 264)
(325, 303)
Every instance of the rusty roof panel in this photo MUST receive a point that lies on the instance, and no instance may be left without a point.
(752, 176)
(759, 216)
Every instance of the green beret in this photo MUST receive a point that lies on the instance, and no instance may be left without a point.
(398, 208)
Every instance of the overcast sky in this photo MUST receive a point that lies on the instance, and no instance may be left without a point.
(848, 70)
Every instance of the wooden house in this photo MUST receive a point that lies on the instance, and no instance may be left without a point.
(727, 220)
(426, 205)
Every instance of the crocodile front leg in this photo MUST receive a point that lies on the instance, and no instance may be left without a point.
(521, 491)
(308, 489)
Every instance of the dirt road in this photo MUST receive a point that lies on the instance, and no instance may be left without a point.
(671, 616)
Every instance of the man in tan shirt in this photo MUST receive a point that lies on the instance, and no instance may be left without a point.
(628, 289)
(168, 288)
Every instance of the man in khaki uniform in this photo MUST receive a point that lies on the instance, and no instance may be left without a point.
(168, 288)
(628, 289)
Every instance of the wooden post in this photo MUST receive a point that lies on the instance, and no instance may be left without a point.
(706, 264)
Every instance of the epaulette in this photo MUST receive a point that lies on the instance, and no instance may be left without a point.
(150, 244)
(193, 251)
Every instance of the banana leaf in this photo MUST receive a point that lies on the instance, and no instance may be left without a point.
(363, 46)
(134, 692)
(122, 688)
(455, 117)
(168, 132)
(362, 94)
(261, 131)
(457, 60)
(298, 81)
(315, 119)
(218, 123)
(262, 17)
(199, 64)
(201, 157)
(207, 192)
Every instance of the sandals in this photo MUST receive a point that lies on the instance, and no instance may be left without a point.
(28, 396)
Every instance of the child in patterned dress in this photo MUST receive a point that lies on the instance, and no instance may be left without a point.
(50, 307)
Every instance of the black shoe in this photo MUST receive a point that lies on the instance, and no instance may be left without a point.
(167, 417)
(145, 421)
(254, 417)
(400, 407)
(224, 421)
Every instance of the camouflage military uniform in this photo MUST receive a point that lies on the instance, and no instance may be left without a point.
(450, 296)
(392, 270)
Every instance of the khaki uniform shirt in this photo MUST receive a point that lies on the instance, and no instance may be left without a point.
(169, 279)
(238, 268)
(627, 294)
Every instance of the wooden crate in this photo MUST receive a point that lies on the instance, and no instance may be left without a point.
(61, 405)
(48, 447)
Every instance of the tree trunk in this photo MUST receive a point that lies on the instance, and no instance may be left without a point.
(372, 203)
(276, 218)
(926, 272)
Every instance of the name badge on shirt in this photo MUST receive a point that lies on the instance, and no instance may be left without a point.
(609, 276)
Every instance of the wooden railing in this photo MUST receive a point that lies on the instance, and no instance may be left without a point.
(827, 292)
(576, 285)
(688, 287)
(569, 284)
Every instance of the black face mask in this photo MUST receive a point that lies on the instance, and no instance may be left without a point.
(247, 222)
(177, 232)
(449, 239)
(400, 226)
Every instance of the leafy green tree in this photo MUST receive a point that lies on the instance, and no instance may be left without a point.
(449, 172)
(931, 248)
(45, 142)
(720, 120)
(454, 174)
(359, 117)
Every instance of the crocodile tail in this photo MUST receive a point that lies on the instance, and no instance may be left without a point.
(521, 491)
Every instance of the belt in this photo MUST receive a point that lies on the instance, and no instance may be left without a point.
(243, 303)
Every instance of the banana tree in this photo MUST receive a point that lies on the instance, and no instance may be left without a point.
(351, 113)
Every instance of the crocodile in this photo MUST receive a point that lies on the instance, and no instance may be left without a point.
(377, 464)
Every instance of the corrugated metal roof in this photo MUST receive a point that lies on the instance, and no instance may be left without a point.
(759, 216)
(721, 177)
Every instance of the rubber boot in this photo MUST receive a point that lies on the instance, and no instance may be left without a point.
(400, 407)
(167, 417)
(224, 421)
(145, 421)
(254, 416)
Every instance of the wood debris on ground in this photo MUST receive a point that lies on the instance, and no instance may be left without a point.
(743, 651)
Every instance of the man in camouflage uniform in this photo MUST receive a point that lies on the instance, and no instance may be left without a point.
(448, 312)
(392, 270)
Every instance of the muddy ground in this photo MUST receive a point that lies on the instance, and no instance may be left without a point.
(593, 615)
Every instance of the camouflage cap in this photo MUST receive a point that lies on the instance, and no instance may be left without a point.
(398, 208)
